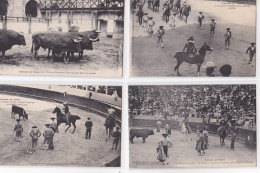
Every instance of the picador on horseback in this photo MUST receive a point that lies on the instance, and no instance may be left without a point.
(190, 48)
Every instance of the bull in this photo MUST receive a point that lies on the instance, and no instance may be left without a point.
(9, 38)
(144, 133)
(64, 42)
(20, 111)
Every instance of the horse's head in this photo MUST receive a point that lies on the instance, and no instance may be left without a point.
(26, 116)
(207, 47)
(56, 110)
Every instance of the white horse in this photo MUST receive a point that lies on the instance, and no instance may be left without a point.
(184, 132)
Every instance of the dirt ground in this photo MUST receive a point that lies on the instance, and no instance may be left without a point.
(149, 59)
(70, 149)
(99, 62)
(183, 154)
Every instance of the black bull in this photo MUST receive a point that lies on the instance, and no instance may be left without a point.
(64, 42)
(143, 133)
(20, 111)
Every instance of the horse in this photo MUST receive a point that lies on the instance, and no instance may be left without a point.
(222, 132)
(109, 124)
(156, 5)
(185, 12)
(198, 59)
(61, 118)
(140, 14)
(167, 13)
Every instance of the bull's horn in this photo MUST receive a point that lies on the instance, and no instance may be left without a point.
(98, 31)
(21, 33)
(93, 40)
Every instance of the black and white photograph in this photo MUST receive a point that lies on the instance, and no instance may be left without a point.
(192, 38)
(60, 125)
(81, 38)
(192, 126)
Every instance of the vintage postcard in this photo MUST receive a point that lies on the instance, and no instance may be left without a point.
(192, 126)
(62, 37)
(54, 125)
(190, 38)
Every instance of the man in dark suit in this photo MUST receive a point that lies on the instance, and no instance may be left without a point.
(88, 125)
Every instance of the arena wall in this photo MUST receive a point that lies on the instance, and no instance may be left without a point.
(246, 135)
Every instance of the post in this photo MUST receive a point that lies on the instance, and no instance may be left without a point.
(92, 15)
(68, 18)
(98, 25)
(30, 23)
(48, 21)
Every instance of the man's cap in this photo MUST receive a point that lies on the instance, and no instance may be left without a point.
(34, 126)
(191, 39)
(201, 131)
(150, 17)
(47, 125)
(117, 128)
(212, 19)
(174, 13)
(161, 27)
(209, 64)
(228, 29)
(18, 120)
(225, 70)
(200, 12)
(252, 43)
(88, 118)
(164, 134)
(53, 118)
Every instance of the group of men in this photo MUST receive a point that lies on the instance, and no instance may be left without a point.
(51, 128)
(190, 45)
(35, 133)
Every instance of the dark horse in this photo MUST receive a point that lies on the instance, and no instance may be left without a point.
(185, 12)
(140, 14)
(156, 5)
(62, 119)
(198, 59)
(167, 13)
(222, 132)
(110, 124)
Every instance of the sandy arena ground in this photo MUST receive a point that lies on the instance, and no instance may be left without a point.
(183, 154)
(99, 62)
(151, 60)
(70, 149)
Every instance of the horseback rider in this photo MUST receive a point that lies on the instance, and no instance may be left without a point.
(190, 48)
(66, 112)
(252, 52)
(186, 123)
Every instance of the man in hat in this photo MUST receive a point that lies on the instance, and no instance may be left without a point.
(200, 143)
(227, 37)
(225, 70)
(162, 148)
(210, 66)
(145, 21)
(190, 47)
(212, 26)
(53, 124)
(160, 32)
(48, 138)
(234, 129)
(66, 112)
(200, 19)
(88, 125)
(174, 20)
(150, 23)
(18, 128)
(252, 50)
(35, 134)
(117, 136)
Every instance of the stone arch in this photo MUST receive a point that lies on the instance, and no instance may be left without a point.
(31, 8)
(3, 7)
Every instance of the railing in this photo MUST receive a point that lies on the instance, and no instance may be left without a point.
(81, 5)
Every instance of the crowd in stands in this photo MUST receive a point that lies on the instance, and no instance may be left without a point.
(212, 103)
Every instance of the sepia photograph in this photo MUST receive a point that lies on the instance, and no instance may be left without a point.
(192, 38)
(192, 126)
(81, 38)
(60, 125)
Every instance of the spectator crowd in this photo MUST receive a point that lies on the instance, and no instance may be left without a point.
(211, 103)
